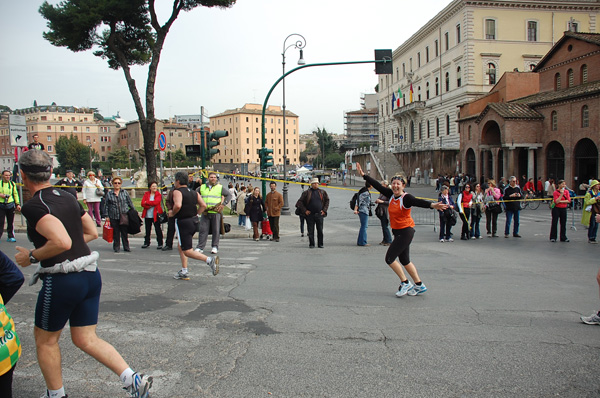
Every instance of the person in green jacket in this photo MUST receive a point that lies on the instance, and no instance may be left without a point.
(9, 202)
(589, 205)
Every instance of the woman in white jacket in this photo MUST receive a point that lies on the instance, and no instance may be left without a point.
(91, 198)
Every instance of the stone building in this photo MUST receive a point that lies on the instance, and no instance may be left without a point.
(542, 124)
(457, 57)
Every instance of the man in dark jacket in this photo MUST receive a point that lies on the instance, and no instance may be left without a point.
(70, 183)
(512, 194)
(314, 203)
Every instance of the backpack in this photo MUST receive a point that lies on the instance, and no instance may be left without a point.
(353, 201)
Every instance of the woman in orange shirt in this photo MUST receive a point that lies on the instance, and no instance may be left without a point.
(398, 254)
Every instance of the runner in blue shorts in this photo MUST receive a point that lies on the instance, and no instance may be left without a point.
(61, 240)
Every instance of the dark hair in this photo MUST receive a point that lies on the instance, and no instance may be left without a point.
(150, 184)
(182, 177)
(273, 183)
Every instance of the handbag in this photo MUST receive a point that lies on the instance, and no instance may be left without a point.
(123, 219)
(100, 192)
(163, 217)
(380, 211)
(107, 231)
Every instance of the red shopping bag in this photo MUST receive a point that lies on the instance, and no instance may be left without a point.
(107, 231)
(266, 227)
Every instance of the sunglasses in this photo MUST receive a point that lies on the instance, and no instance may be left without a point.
(116, 183)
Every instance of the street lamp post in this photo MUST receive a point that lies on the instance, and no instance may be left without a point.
(299, 44)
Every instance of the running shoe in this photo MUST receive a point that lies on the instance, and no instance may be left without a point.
(140, 386)
(593, 319)
(449, 240)
(11, 240)
(214, 250)
(404, 289)
(213, 263)
(182, 276)
(47, 395)
(441, 240)
(199, 250)
(417, 290)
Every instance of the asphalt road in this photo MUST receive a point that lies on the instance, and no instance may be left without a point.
(500, 318)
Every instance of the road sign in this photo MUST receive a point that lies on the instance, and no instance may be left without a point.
(17, 128)
(162, 141)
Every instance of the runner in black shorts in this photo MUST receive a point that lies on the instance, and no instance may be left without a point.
(187, 204)
(402, 228)
(60, 238)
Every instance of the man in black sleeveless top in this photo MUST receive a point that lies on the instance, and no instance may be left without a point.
(187, 204)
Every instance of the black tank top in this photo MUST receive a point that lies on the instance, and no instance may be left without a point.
(189, 202)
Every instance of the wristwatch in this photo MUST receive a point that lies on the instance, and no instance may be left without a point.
(32, 259)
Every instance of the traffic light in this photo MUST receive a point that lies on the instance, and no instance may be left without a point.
(213, 141)
(266, 160)
(383, 68)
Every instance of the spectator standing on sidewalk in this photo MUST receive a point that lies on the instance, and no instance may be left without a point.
(446, 217)
(9, 202)
(512, 194)
(381, 211)
(362, 208)
(464, 202)
(561, 200)
(273, 204)
(476, 211)
(591, 201)
(314, 203)
(492, 209)
(240, 205)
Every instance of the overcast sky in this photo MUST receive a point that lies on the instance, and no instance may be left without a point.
(218, 58)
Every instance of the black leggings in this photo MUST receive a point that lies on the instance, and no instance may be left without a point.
(6, 383)
(400, 246)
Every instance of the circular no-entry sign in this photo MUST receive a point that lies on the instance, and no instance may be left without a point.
(162, 141)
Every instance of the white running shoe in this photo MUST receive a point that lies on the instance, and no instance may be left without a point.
(404, 289)
(214, 250)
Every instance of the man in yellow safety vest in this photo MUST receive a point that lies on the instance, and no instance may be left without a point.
(216, 196)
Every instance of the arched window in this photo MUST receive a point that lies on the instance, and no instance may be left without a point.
(437, 86)
(458, 77)
(447, 124)
(447, 81)
(427, 90)
(570, 78)
(491, 72)
(557, 82)
(585, 116)
(437, 127)
(554, 120)
(583, 76)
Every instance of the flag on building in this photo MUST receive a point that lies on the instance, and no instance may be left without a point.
(411, 93)
(393, 101)
(399, 97)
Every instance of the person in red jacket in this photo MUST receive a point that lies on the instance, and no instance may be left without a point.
(151, 202)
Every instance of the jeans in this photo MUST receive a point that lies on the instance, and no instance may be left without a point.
(385, 227)
(559, 214)
(593, 228)
(509, 216)
(313, 220)
(475, 233)
(157, 228)
(210, 222)
(445, 227)
(242, 220)
(362, 232)
(9, 213)
(274, 223)
(491, 222)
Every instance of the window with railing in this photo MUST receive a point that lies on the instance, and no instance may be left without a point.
(490, 29)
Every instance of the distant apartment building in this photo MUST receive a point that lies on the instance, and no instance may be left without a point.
(455, 58)
(361, 126)
(50, 122)
(244, 139)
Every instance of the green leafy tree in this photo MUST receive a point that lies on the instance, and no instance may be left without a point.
(121, 158)
(125, 33)
(72, 154)
(325, 144)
